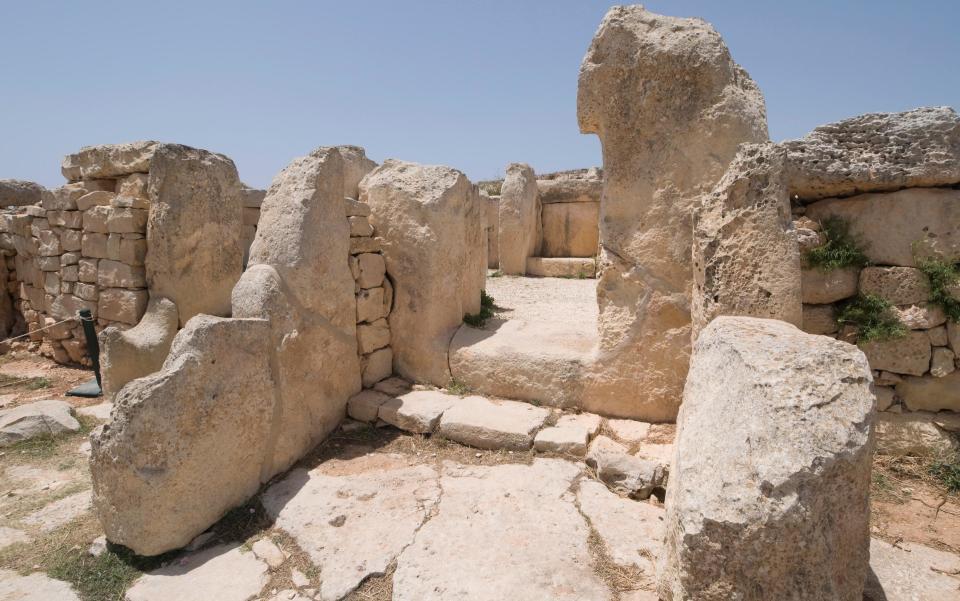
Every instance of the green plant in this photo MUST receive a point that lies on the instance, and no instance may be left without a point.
(458, 388)
(943, 276)
(496, 274)
(38, 383)
(947, 472)
(841, 249)
(874, 318)
(487, 309)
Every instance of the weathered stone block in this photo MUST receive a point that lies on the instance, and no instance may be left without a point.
(371, 337)
(172, 462)
(570, 229)
(95, 219)
(119, 304)
(372, 269)
(821, 287)
(770, 482)
(908, 355)
(108, 160)
(114, 274)
(94, 246)
(899, 285)
(519, 217)
(931, 393)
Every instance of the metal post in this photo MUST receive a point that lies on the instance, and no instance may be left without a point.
(93, 346)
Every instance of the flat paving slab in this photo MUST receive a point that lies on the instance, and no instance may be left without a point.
(492, 424)
(222, 572)
(34, 587)
(502, 532)
(354, 517)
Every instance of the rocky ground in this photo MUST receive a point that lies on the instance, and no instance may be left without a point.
(376, 513)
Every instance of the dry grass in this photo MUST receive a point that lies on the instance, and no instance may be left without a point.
(281, 578)
(619, 578)
(375, 588)
(894, 478)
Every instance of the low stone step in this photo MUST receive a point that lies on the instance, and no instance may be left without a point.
(562, 267)
(418, 411)
(485, 424)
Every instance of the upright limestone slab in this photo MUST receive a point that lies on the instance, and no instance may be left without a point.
(746, 258)
(670, 107)
(194, 247)
(299, 279)
(519, 236)
(769, 494)
(432, 221)
(186, 443)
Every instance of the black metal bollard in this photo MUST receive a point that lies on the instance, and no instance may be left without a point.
(93, 346)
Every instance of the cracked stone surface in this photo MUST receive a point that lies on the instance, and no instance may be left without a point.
(631, 530)
(353, 517)
(34, 587)
(502, 532)
(222, 572)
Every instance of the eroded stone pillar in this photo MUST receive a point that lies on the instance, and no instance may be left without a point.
(670, 107)
(519, 216)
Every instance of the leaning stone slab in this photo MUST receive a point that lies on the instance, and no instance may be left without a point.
(34, 587)
(40, 418)
(222, 572)
(186, 443)
(485, 424)
(418, 411)
(353, 517)
(519, 216)
(770, 482)
(490, 540)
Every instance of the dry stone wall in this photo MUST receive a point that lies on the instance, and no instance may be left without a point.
(134, 219)
(890, 179)
(918, 370)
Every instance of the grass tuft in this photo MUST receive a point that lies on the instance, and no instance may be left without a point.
(943, 276)
(457, 387)
(874, 318)
(841, 249)
(947, 473)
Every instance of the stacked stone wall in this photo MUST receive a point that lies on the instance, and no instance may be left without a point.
(915, 371)
(82, 247)
(374, 295)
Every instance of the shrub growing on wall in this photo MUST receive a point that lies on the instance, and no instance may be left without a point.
(873, 317)
(943, 276)
(841, 249)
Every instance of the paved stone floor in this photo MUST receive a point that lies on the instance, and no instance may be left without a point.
(375, 514)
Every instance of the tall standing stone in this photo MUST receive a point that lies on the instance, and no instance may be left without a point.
(519, 215)
(194, 246)
(670, 107)
(299, 279)
(769, 494)
(432, 222)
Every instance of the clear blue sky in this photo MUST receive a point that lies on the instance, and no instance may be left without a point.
(471, 84)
